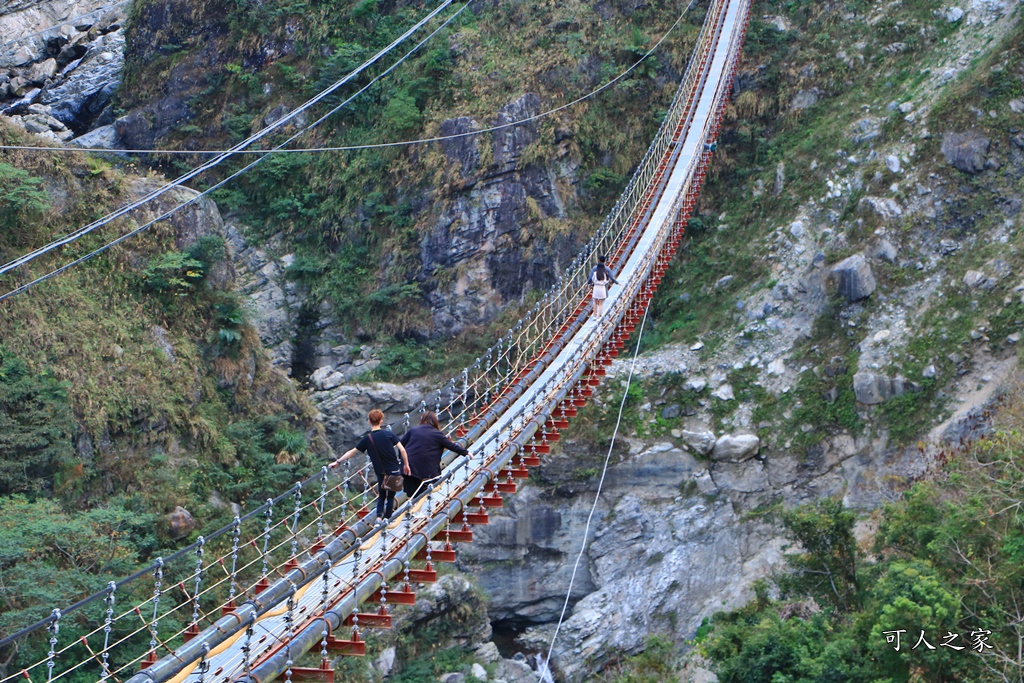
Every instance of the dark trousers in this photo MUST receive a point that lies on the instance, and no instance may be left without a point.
(385, 501)
(412, 485)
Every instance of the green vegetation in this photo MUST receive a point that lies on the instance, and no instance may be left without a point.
(427, 669)
(21, 199)
(51, 557)
(128, 386)
(35, 428)
(657, 663)
(946, 559)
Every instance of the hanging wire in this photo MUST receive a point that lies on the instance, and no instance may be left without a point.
(214, 162)
(321, 505)
(235, 536)
(107, 628)
(154, 627)
(54, 630)
(199, 580)
(295, 520)
(268, 520)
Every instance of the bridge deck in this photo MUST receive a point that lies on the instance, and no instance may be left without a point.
(273, 632)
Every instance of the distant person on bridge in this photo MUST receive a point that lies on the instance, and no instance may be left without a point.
(425, 444)
(601, 279)
(380, 444)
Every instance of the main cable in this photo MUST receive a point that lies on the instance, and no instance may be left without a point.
(380, 145)
(131, 206)
(132, 233)
(597, 496)
(200, 195)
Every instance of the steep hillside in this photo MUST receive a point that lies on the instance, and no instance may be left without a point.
(848, 303)
(136, 404)
(422, 242)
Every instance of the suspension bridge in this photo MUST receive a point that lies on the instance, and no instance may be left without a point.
(311, 570)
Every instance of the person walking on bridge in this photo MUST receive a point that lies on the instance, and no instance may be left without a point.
(380, 444)
(601, 278)
(425, 444)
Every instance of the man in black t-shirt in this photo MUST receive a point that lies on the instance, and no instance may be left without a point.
(380, 445)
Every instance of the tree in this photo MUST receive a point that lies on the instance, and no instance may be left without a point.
(827, 569)
(912, 597)
(35, 427)
(49, 558)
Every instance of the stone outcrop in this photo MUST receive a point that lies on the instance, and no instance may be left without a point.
(274, 302)
(736, 448)
(886, 208)
(80, 99)
(180, 523)
(883, 250)
(853, 278)
(187, 225)
(700, 441)
(690, 550)
(479, 233)
(72, 68)
(871, 388)
(104, 137)
(965, 151)
(345, 408)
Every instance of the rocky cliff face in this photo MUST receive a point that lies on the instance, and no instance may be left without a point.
(62, 64)
(481, 234)
(477, 258)
(838, 370)
(673, 541)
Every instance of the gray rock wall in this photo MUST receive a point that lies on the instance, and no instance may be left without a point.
(487, 231)
(66, 56)
(670, 543)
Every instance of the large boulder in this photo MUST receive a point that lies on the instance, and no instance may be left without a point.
(181, 523)
(736, 447)
(965, 151)
(804, 99)
(104, 137)
(853, 278)
(871, 388)
(41, 71)
(699, 441)
(326, 378)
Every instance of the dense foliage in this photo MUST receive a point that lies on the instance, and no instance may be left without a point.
(35, 428)
(128, 387)
(356, 232)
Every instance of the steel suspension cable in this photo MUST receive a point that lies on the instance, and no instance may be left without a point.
(379, 145)
(259, 135)
(96, 252)
(597, 495)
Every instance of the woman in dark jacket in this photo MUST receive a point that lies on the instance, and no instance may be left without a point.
(425, 444)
